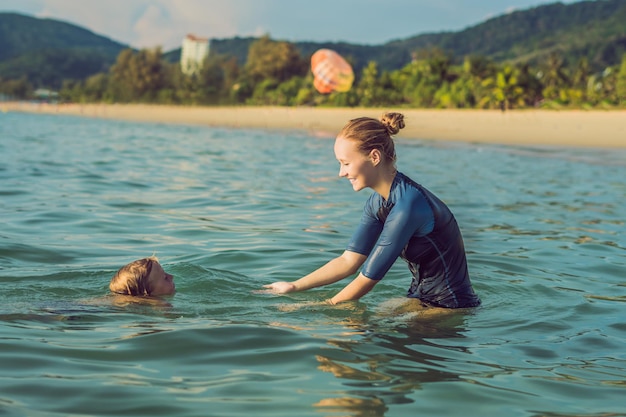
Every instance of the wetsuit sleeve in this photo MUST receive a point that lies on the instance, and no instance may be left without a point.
(367, 232)
(410, 216)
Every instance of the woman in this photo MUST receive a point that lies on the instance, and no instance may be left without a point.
(401, 219)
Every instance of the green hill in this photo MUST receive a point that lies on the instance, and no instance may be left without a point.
(594, 29)
(48, 51)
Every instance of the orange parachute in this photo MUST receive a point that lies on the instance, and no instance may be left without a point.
(331, 72)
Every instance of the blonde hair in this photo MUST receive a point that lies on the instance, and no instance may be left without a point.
(375, 134)
(132, 279)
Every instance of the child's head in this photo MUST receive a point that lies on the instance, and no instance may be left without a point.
(143, 277)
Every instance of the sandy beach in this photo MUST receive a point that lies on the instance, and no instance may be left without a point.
(578, 128)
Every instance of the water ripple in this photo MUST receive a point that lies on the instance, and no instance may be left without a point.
(229, 210)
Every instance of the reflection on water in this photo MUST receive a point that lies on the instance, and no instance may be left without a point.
(227, 211)
(391, 360)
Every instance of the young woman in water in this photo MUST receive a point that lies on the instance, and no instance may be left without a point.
(401, 219)
(143, 277)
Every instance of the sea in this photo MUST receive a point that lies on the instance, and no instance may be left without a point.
(228, 210)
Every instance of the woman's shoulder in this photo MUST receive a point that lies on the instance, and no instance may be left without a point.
(373, 202)
(405, 187)
(415, 194)
(405, 180)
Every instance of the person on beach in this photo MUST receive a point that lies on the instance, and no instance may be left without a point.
(400, 219)
(143, 277)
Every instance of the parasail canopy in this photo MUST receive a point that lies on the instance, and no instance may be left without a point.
(331, 72)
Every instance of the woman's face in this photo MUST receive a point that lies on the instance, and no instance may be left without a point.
(358, 168)
(160, 282)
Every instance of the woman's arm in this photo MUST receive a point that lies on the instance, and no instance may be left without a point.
(360, 286)
(335, 270)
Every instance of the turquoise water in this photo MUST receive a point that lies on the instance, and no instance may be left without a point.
(227, 211)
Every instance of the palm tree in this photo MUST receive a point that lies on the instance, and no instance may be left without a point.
(581, 73)
(555, 77)
(503, 89)
(620, 85)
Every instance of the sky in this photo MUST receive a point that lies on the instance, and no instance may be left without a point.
(164, 23)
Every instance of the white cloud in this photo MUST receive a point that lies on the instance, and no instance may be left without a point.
(166, 22)
(152, 28)
(146, 23)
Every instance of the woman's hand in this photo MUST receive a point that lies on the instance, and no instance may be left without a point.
(280, 287)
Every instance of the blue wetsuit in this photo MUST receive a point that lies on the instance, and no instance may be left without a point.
(415, 225)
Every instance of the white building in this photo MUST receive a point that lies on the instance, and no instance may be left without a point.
(193, 53)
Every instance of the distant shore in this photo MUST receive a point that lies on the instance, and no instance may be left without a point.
(577, 128)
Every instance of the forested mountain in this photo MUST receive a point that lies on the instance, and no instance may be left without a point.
(592, 29)
(48, 51)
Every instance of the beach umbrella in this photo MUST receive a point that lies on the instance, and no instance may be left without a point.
(331, 72)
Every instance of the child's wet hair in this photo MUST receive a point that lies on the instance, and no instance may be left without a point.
(132, 279)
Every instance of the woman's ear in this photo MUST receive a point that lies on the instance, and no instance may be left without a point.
(375, 156)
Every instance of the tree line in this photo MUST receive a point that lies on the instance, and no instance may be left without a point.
(275, 73)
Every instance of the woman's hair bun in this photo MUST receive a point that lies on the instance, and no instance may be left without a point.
(393, 122)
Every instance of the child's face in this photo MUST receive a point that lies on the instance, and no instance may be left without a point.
(161, 283)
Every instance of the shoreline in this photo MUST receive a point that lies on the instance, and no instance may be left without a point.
(569, 128)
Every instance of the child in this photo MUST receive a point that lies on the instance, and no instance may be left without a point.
(143, 277)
